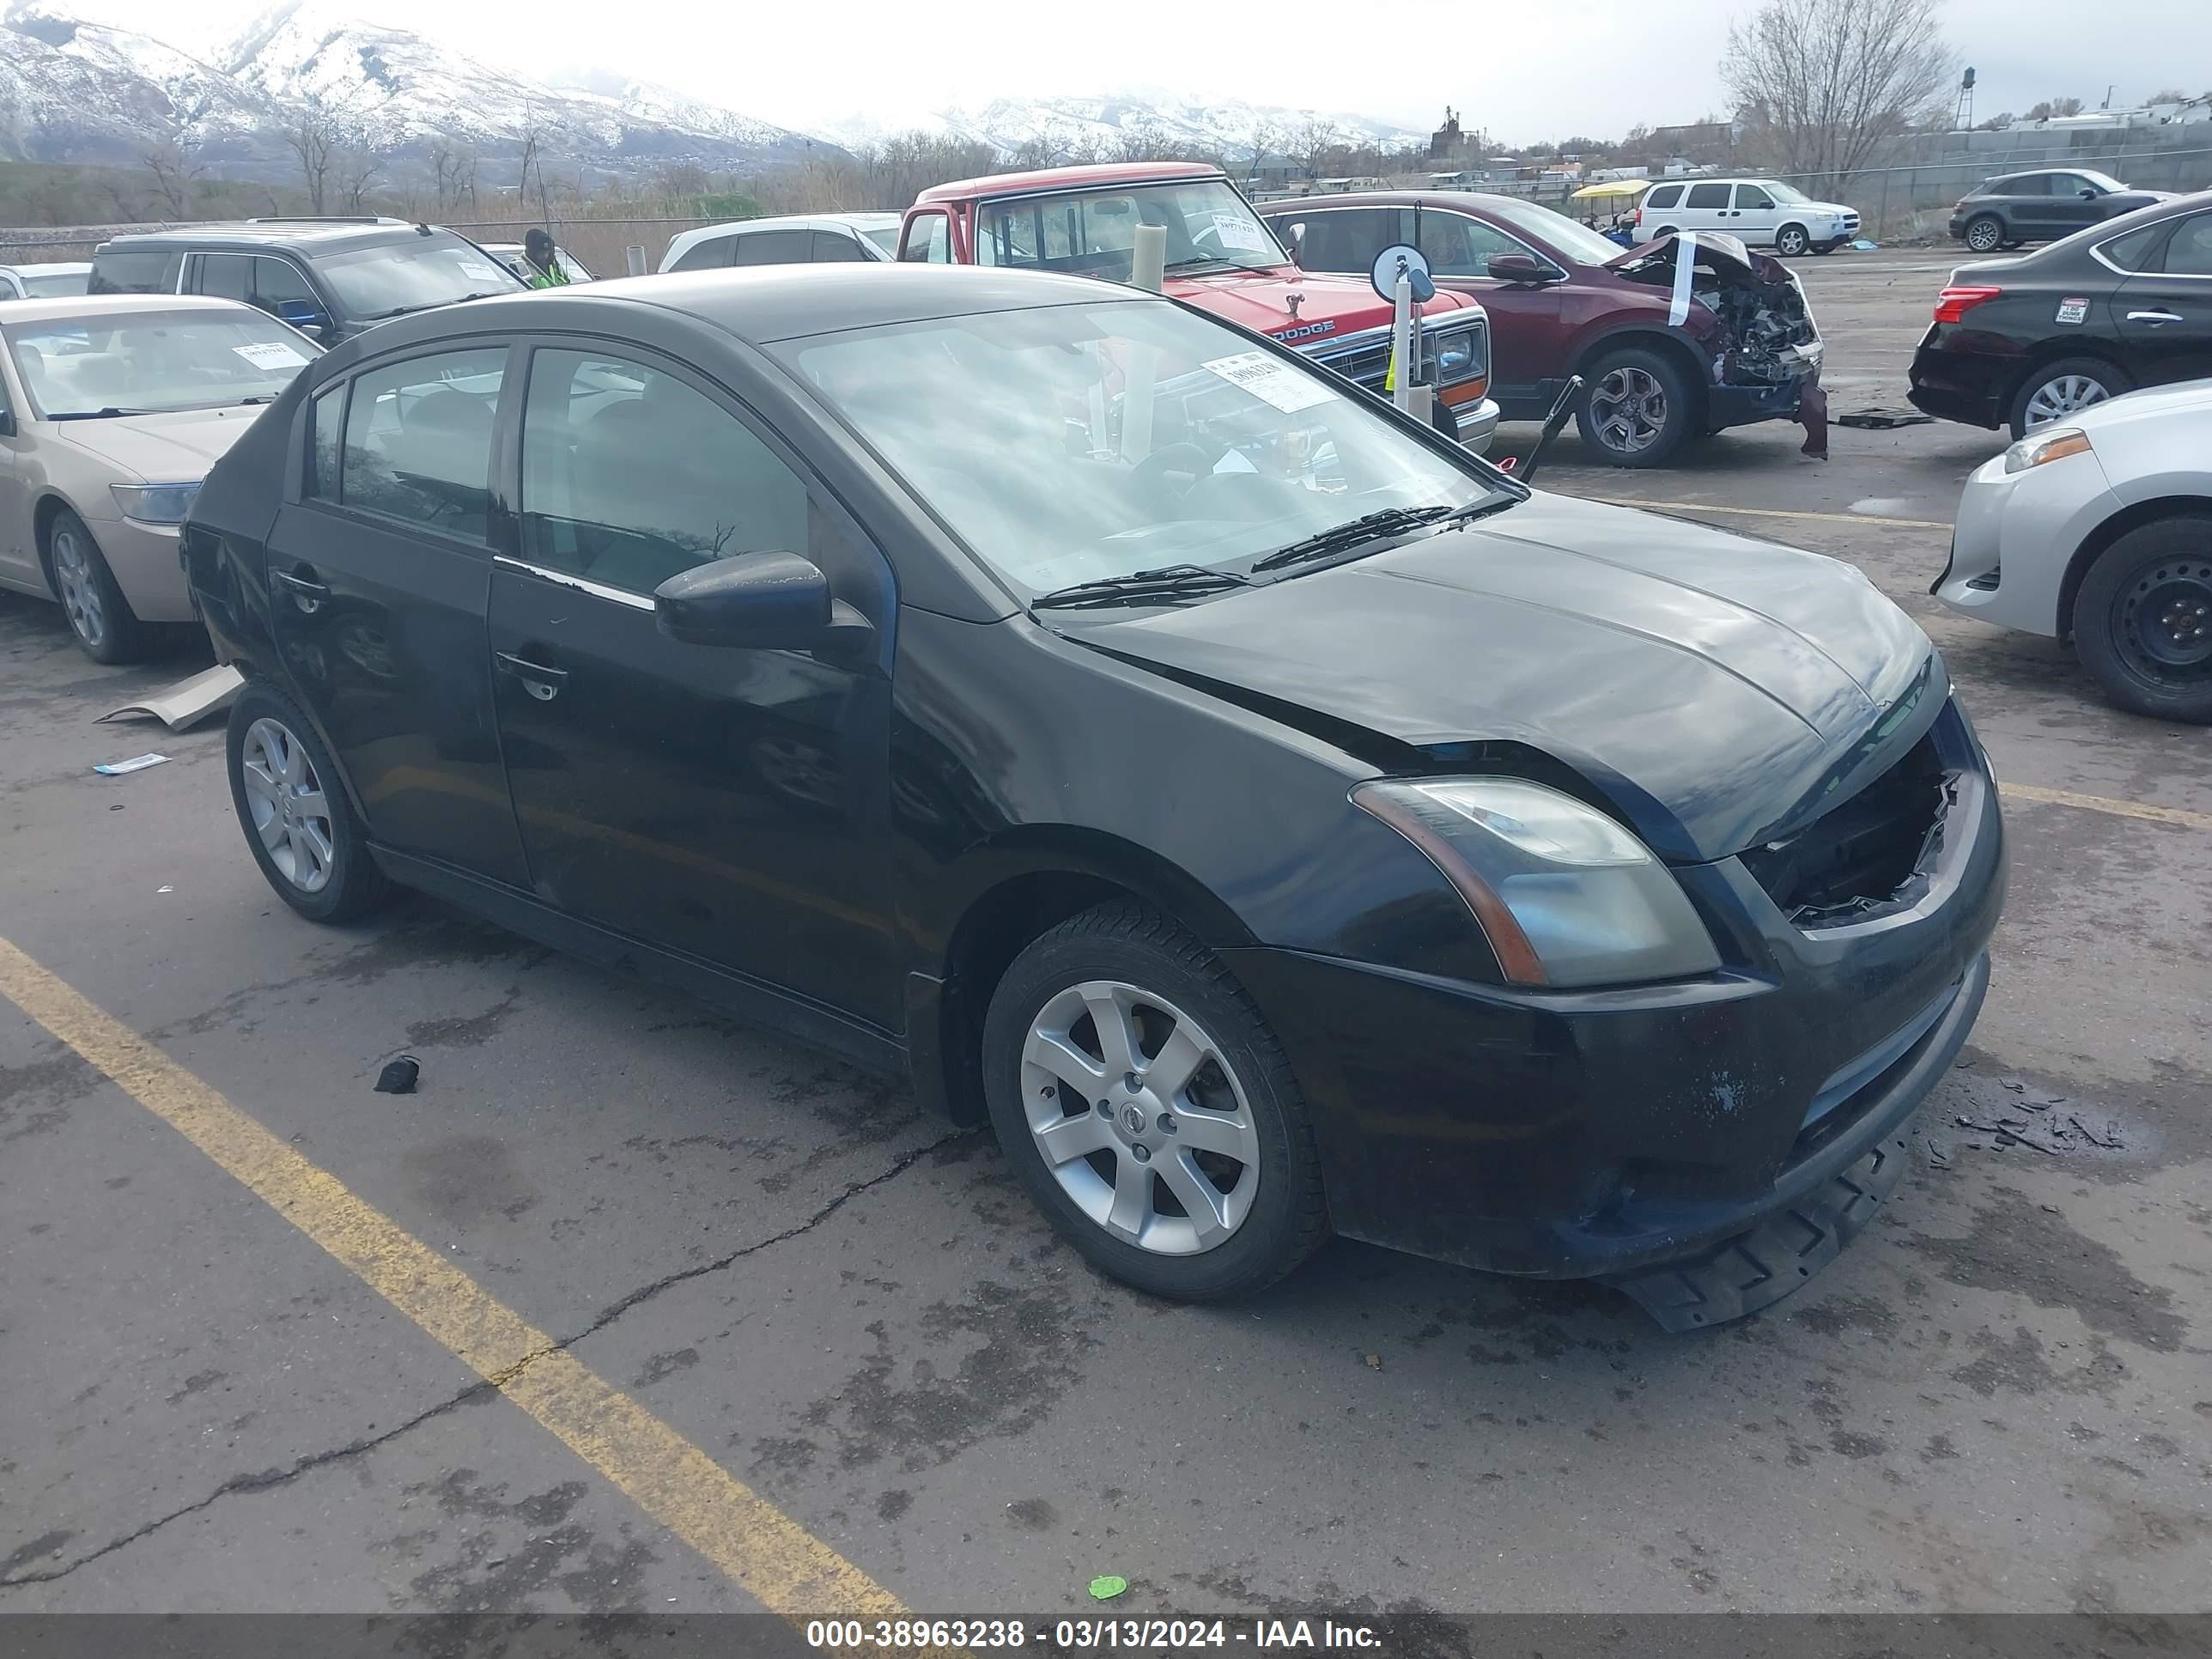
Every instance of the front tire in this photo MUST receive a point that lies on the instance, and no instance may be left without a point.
(1148, 1109)
(1640, 408)
(1985, 235)
(2142, 620)
(292, 803)
(2063, 388)
(107, 631)
(1792, 241)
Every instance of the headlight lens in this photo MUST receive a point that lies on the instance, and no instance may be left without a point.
(2053, 443)
(1457, 356)
(161, 503)
(1565, 895)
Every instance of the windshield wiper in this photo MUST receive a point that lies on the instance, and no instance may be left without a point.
(1174, 582)
(1371, 526)
(108, 414)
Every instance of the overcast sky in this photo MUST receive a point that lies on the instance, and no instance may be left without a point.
(1525, 72)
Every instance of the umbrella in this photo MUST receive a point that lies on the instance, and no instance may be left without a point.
(1612, 188)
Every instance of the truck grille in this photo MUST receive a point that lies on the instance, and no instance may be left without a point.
(1366, 358)
(1864, 858)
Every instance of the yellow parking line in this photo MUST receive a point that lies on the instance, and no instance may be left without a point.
(2125, 809)
(1860, 518)
(765, 1552)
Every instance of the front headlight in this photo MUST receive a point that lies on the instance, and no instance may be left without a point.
(1458, 354)
(1565, 895)
(2053, 443)
(162, 503)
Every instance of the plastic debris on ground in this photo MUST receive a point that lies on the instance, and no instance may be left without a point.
(135, 763)
(1863, 245)
(188, 701)
(398, 1076)
(1882, 418)
(1107, 1586)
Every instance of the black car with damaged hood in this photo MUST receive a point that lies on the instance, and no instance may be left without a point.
(1273, 818)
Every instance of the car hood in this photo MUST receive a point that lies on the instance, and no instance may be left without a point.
(1720, 691)
(1327, 305)
(2179, 402)
(1721, 250)
(176, 448)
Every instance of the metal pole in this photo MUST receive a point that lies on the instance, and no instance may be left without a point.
(1402, 362)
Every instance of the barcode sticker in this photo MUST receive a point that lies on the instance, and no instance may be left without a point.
(1272, 382)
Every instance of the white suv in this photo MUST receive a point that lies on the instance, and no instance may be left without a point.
(1760, 211)
(808, 239)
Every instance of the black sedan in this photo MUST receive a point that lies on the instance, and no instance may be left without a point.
(1273, 820)
(2025, 341)
(2041, 206)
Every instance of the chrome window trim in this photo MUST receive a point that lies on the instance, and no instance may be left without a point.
(2097, 252)
(563, 579)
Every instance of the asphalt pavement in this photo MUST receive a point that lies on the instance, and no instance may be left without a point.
(762, 1335)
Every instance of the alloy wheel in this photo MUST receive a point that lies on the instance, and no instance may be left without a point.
(1984, 235)
(291, 813)
(1629, 409)
(2166, 622)
(79, 587)
(1139, 1116)
(1791, 242)
(2063, 395)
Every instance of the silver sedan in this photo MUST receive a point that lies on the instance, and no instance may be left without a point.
(2099, 528)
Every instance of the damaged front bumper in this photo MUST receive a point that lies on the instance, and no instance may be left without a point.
(1602, 1133)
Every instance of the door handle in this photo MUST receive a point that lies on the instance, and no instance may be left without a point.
(307, 592)
(2153, 318)
(541, 683)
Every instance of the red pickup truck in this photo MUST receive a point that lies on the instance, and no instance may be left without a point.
(1219, 256)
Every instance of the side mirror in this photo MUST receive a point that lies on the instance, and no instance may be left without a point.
(1522, 268)
(7, 423)
(1297, 240)
(773, 601)
(2088, 193)
(309, 320)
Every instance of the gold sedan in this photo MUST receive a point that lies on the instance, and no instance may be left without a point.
(113, 408)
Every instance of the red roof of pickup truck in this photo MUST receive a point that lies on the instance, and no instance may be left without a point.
(1028, 183)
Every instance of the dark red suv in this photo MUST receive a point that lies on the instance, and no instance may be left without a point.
(1662, 362)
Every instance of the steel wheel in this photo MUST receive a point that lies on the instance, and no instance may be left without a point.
(1629, 409)
(2165, 621)
(2063, 395)
(290, 813)
(1140, 1118)
(78, 585)
(1984, 235)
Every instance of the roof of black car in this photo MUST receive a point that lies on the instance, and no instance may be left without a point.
(307, 234)
(764, 303)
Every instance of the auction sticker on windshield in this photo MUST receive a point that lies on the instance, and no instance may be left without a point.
(1234, 230)
(270, 353)
(1271, 382)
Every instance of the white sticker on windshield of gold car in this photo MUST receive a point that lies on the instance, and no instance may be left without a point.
(1272, 382)
(270, 353)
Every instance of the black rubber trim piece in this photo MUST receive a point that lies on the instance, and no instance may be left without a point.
(1756, 1268)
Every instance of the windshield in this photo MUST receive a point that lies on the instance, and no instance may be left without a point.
(2104, 181)
(1063, 468)
(1093, 232)
(885, 237)
(1577, 241)
(413, 275)
(153, 362)
(53, 284)
(1782, 193)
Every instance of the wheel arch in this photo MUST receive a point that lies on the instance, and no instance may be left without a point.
(49, 506)
(2132, 517)
(1002, 896)
(1645, 336)
(2047, 352)
(1804, 230)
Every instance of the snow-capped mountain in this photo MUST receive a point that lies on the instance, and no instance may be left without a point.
(74, 90)
(1097, 124)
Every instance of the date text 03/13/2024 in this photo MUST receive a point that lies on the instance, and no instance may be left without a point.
(918, 1634)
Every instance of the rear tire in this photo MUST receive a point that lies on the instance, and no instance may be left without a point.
(2142, 620)
(292, 803)
(1120, 1008)
(1667, 231)
(107, 631)
(1792, 241)
(1985, 233)
(1640, 408)
(2065, 387)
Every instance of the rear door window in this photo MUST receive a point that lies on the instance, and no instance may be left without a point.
(771, 247)
(830, 246)
(1348, 239)
(418, 440)
(2028, 184)
(1665, 196)
(630, 476)
(1708, 196)
(2189, 252)
(136, 271)
(712, 254)
(223, 277)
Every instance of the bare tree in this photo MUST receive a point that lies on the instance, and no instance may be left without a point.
(1830, 83)
(1266, 138)
(356, 170)
(176, 170)
(2167, 96)
(1310, 143)
(316, 131)
(2052, 108)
